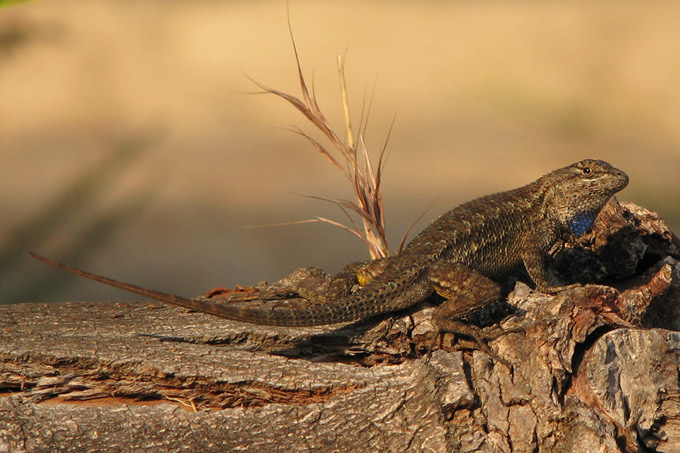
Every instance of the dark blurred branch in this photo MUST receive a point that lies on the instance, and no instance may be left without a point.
(72, 201)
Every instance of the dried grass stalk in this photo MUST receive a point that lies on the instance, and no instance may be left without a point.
(351, 158)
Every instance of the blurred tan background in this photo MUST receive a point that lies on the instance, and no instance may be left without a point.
(130, 147)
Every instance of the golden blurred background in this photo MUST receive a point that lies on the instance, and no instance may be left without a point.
(131, 144)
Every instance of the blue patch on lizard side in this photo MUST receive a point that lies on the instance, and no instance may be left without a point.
(581, 222)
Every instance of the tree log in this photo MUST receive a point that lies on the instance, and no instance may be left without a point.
(594, 368)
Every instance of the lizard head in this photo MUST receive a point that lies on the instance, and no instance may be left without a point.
(575, 194)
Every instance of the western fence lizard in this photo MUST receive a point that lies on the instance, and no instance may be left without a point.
(462, 256)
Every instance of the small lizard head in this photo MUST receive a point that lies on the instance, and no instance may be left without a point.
(575, 194)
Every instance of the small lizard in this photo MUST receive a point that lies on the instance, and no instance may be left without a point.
(463, 256)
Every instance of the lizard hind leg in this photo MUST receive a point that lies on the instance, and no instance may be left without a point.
(342, 283)
(367, 271)
(466, 291)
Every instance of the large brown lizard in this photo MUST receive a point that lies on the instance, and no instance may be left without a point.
(462, 256)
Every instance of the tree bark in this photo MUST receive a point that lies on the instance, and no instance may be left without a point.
(594, 368)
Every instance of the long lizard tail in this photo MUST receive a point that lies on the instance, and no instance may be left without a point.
(150, 293)
(290, 312)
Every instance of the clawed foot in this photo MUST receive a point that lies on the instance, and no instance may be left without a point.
(552, 290)
(493, 332)
(481, 337)
(489, 334)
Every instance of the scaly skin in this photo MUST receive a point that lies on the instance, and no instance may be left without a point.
(461, 256)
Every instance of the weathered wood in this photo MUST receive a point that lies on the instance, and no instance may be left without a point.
(592, 370)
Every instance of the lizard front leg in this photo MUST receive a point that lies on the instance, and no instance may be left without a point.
(466, 291)
(534, 262)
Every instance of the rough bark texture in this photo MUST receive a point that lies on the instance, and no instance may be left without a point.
(595, 369)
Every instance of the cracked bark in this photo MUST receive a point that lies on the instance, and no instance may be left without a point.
(595, 369)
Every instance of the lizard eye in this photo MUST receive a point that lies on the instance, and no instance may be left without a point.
(587, 171)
